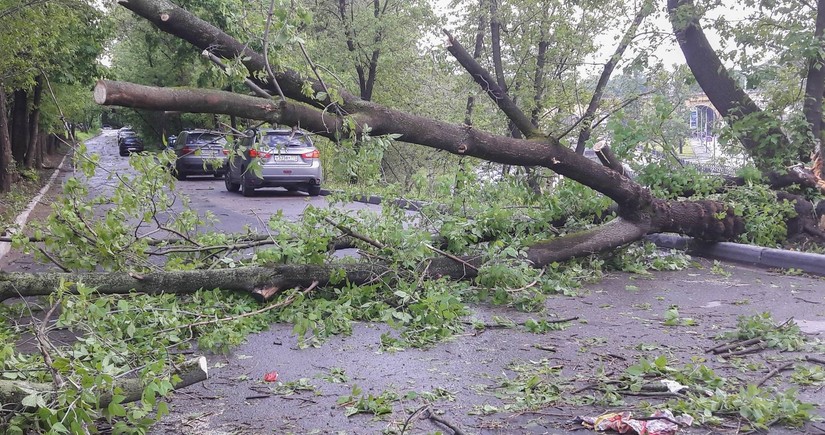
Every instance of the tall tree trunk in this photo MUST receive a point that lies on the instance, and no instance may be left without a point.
(20, 126)
(814, 89)
(477, 47)
(758, 132)
(32, 152)
(538, 79)
(6, 160)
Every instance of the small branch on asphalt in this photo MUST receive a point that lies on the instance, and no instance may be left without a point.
(775, 371)
(428, 414)
(54, 260)
(725, 347)
(411, 416)
(815, 360)
(748, 350)
(43, 345)
(528, 285)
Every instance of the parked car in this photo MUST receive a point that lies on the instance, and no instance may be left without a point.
(200, 152)
(274, 158)
(124, 133)
(130, 144)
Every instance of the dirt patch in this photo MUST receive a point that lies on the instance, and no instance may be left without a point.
(476, 380)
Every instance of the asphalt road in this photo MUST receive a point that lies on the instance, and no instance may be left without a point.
(208, 193)
(621, 319)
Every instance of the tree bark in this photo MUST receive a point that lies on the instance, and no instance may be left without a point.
(33, 158)
(6, 159)
(478, 46)
(814, 90)
(244, 279)
(20, 126)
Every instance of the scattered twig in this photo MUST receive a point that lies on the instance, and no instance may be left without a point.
(775, 371)
(249, 83)
(651, 394)
(281, 304)
(352, 233)
(431, 416)
(411, 416)
(528, 285)
(814, 359)
(43, 344)
(569, 319)
(755, 348)
(451, 257)
(725, 347)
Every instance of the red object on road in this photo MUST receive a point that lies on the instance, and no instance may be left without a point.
(271, 376)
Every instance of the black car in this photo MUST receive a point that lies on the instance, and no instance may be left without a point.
(130, 144)
(200, 152)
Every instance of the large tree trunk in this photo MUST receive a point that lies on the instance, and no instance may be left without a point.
(20, 126)
(6, 159)
(814, 90)
(759, 132)
(33, 153)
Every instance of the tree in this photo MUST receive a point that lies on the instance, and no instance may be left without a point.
(318, 106)
(759, 131)
(639, 212)
(34, 63)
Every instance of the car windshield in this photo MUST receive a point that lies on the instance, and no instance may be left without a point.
(286, 139)
(205, 139)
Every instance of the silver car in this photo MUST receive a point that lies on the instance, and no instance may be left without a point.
(274, 158)
(200, 152)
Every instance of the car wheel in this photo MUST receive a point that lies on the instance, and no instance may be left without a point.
(124, 153)
(230, 186)
(180, 175)
(246, 189)
(314, 190)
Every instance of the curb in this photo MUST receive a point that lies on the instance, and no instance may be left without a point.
(739, 253)
(23, 217)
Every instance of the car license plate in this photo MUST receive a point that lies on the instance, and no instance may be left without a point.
(284, 158)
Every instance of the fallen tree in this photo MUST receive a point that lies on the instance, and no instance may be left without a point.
(16, 393)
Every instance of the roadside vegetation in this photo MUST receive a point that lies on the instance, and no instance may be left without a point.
(507, 213)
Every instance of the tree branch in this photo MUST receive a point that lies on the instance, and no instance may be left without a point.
(492, 88)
